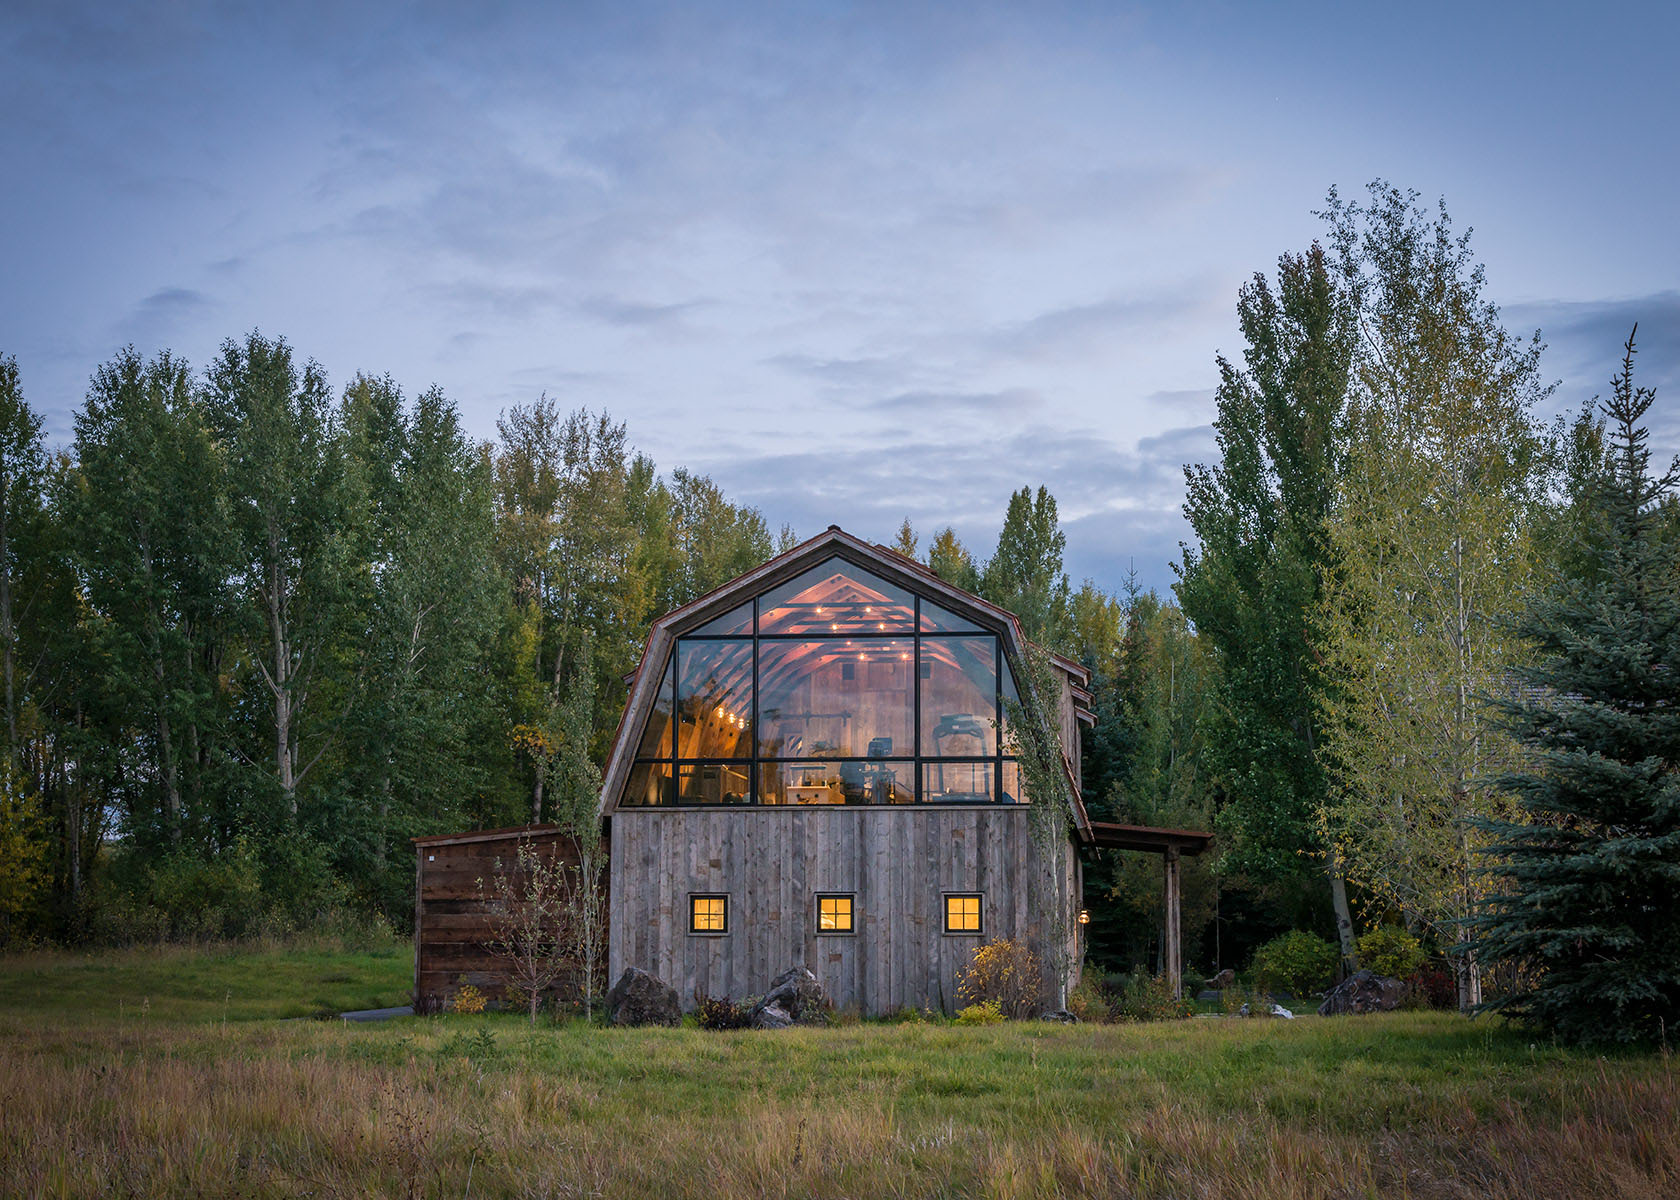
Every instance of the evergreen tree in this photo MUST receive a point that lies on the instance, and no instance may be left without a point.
(905, 542)
(1025, 573)
(1589, 906)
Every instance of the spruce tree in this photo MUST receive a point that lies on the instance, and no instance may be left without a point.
(1589, 910)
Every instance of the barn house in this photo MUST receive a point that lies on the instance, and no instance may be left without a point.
(813, 767)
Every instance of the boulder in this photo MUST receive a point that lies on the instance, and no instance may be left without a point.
(639, 998)
(795, 998)
(1061, 1016)
(1363, 992)
(1226, 978)
(769, 1016)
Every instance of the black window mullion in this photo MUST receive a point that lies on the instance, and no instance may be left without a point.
(753, 783)
(916, 691)
(997, 707)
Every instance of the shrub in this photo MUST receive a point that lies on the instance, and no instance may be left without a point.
(1391, 951)
(986, 1012)
(1433, 986)
(467, 999)
(1089, 1002)
(720, 1012)
(1145, 997)
(1006, 973)
(1297, 962)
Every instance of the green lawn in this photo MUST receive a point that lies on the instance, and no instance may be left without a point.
(173, 1099)
(183, 984)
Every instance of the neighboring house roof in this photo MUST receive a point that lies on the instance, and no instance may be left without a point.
(833, 542)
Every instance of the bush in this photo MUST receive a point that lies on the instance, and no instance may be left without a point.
(1089, 1002)
(1297, 962)
(1006, 973)
(986, 1012)
(1141, 996)
(1432, 986)
(1391, 951)
(720, 1012)
(467, 999)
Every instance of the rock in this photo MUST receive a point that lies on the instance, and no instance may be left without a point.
(1061, 1016)
(770, 1016)
(796, 997)
(639, 998)
(1363, 992)
(1279, 1010)
(1226, 978)
(1274, 1010)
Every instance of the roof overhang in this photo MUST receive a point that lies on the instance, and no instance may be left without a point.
(1105, 835)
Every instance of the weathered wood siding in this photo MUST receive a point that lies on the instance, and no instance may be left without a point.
(451, 924)
(773, 861)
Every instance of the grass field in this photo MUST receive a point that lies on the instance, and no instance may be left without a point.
(162, 1074)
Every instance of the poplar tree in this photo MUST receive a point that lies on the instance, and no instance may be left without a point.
(1252, 586)
(1432, 546)
(295, 544)
(1587, 871)
(1025, 575)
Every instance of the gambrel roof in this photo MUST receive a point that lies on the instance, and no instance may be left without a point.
(833, 543)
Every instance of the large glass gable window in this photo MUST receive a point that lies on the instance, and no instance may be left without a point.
(835, 687)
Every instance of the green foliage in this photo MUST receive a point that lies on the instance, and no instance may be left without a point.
(984, 1012)
(1005, 974)
(1585, 915)
(1141, 996)
(247, 630)
(1433, 548)
(949, 559)
(1297, 962)
(1252, 585)
(1089, 1002)
(1391, 951)
(720, 1012)
(1024, 574)
(24, 849)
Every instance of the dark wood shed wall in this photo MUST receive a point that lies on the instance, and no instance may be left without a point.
(451, 921)
(773, 862)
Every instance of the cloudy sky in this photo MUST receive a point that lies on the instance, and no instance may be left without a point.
(855, 261)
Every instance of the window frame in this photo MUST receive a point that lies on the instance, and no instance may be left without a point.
(851, 914)
(693, 911)
(758, 764)
(979, 899)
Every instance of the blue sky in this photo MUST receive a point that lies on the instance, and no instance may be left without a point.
(855, 261)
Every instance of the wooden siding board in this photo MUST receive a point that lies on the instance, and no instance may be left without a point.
(897, 863)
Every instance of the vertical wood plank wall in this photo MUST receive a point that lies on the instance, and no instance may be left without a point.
(451, 924)
(772, 862)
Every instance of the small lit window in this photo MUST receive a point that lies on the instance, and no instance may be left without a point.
(708, 914)
(834, 914)
(962, 913)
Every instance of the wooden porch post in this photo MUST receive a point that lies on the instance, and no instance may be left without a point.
(1174, 940)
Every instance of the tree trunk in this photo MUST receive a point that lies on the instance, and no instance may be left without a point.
(1469, 975)
(1344, 916)
(8, 649)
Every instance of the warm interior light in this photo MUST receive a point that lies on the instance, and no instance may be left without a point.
(1084, 916)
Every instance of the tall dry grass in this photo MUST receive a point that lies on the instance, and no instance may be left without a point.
(452, 1108)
